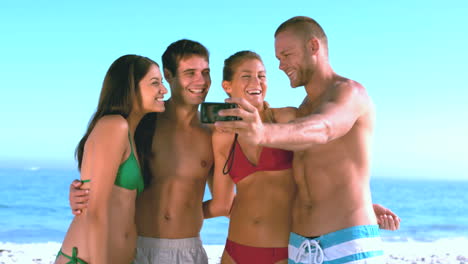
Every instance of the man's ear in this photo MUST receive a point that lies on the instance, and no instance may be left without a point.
(313, 45)
(227, 87)
(168, 75)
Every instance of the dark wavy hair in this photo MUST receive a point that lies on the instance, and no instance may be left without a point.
(119, 89)
(144, 134)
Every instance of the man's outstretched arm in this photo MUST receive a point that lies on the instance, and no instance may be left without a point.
(332, 119)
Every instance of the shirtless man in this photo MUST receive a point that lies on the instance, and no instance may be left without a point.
(169, 214)
(333, 218)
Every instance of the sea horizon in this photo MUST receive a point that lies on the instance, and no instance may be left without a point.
(34, 207)
(35, 215)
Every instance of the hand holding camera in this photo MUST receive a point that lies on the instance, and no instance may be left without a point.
(209, 112)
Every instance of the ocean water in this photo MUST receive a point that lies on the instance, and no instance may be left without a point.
(34, 208)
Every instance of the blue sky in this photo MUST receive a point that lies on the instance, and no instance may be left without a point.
(410, 55)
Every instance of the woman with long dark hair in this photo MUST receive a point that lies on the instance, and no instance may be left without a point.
(105, 232)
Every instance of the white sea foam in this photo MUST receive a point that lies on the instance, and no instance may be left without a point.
(447, 251)
(28, 253)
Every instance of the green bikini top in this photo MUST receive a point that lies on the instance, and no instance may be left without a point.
(129, 174)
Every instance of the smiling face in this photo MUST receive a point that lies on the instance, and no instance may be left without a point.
(151, 91)
(192, 80)
(295, 58)
(248, 82)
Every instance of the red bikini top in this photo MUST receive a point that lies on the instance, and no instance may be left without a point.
(271, 159)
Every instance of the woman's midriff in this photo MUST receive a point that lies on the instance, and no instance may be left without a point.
(122, 235)
(261, 213)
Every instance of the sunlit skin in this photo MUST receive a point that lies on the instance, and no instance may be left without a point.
(257, 218)
(106, 148)
(151, 92)
(330, 137)
(179, 101)
(342, 134)
(301, 65)
(192, 81)
(182, 158)
(171, 206)
(249, 82)
(294, 60)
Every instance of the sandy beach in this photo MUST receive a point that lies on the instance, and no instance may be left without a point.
(442, 251)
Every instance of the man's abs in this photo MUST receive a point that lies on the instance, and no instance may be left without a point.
(332, 191)
(170, 210)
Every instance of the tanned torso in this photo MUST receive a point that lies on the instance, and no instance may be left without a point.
(171, 207)
(333, 178)
(261, 213)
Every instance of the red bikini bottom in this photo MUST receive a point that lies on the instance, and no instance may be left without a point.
(242, 254)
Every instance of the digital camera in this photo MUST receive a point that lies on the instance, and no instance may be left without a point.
(209, 112)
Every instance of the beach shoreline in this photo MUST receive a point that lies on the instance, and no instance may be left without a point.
(446, 251)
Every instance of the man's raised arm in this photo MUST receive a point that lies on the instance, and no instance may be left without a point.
(332, 119)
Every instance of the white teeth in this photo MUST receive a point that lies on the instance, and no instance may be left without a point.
(160, 99)
(196, 90)
(254, 92)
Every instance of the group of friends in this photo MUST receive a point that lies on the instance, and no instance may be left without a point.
(294, 182)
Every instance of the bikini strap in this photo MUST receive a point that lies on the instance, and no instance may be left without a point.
(130, 141)
(131, 151)
(230, 159)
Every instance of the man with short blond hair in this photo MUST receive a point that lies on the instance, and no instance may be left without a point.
(333, 217)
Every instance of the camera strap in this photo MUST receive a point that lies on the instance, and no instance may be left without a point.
(230, 159)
